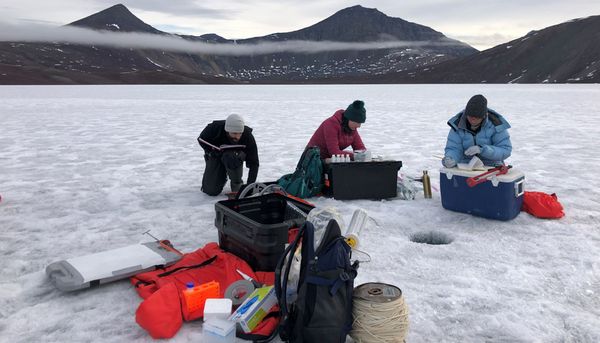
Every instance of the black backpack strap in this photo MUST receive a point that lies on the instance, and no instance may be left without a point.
(281, 280)
(200, 265)
(172, 271)
(256, 338)
(343, 277)
(335, 283)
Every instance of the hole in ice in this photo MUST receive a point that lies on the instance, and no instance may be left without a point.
(431, 237)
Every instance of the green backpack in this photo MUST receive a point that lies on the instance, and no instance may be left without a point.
(307, 180)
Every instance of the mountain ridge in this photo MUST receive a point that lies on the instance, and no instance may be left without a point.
(115, 18)
(562, 53)
(565, 52)
(65, 61)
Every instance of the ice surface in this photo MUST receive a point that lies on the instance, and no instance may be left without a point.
(85, 169)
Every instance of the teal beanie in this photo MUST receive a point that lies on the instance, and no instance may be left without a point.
(356, 112)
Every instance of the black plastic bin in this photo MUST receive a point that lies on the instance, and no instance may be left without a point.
(363, 180)
(256, 228)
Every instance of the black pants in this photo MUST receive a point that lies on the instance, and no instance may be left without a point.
(218, 167)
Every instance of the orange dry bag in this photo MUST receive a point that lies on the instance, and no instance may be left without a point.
(542, 205)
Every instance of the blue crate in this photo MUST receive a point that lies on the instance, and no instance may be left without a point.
(500, 198)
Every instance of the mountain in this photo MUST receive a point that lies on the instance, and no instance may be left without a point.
(563, 53)
(78, 63)
(360, 24)
(115, 18)
(355, 24)
(63, 63)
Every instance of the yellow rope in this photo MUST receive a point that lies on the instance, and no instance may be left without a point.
(379, 322)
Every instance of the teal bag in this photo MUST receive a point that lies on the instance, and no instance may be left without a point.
(307, 180)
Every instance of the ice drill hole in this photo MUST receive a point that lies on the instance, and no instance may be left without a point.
(431, 237)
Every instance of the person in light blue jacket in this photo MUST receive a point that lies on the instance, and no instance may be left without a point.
(477, 131)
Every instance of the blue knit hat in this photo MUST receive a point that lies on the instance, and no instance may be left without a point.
(356, 112)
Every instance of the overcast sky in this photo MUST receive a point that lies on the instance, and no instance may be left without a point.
(482, 24)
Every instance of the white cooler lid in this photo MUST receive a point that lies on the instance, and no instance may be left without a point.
(512, 175)
(104, 264)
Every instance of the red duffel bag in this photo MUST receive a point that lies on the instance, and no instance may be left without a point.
(542, 205)
(164, 310)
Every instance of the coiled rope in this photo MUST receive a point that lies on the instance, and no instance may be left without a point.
(380, 314)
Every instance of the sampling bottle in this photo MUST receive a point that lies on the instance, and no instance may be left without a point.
(426, 185)
(357, 224)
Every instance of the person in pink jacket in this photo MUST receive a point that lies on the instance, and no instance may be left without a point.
(339, 131)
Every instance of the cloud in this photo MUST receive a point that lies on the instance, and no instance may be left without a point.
(76, 35)
(181, 8)
(485, 41)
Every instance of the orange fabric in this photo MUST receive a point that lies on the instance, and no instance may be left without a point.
(542, 205)
(160, 313)
(164, 308)
(222, 270)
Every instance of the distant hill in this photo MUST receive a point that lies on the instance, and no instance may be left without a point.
(59, 63)
(355, 24)
(360, 24)
(563, 53)
(567, 52)
(115, 18)
(77, 63)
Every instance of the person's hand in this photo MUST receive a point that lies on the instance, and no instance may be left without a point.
(448, 162)
(473, 150)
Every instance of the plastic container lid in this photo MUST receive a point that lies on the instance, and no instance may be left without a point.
(217, 308)
(221, 327)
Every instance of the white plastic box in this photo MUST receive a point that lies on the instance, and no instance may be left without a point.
(217, 309)
(217, 330)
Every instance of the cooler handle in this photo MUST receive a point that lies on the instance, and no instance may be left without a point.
(519, 188)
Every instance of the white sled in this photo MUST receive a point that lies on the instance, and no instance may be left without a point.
(107, 266)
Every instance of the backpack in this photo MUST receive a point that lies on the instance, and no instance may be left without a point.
(307, 180)
(322, 311)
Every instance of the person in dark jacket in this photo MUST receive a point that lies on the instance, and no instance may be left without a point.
(223, 161)
(339, 131)
(477, 130)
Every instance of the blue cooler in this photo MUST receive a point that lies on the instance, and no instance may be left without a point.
(499, 198)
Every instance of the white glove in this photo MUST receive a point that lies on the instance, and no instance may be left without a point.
(473, 150)
(448, 162)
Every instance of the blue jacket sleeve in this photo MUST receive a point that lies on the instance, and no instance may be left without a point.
(500, 148)
(454, 148)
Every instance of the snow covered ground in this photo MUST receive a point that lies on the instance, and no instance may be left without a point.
(85, 169)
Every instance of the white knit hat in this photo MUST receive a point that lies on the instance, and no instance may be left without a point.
(234, 123)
